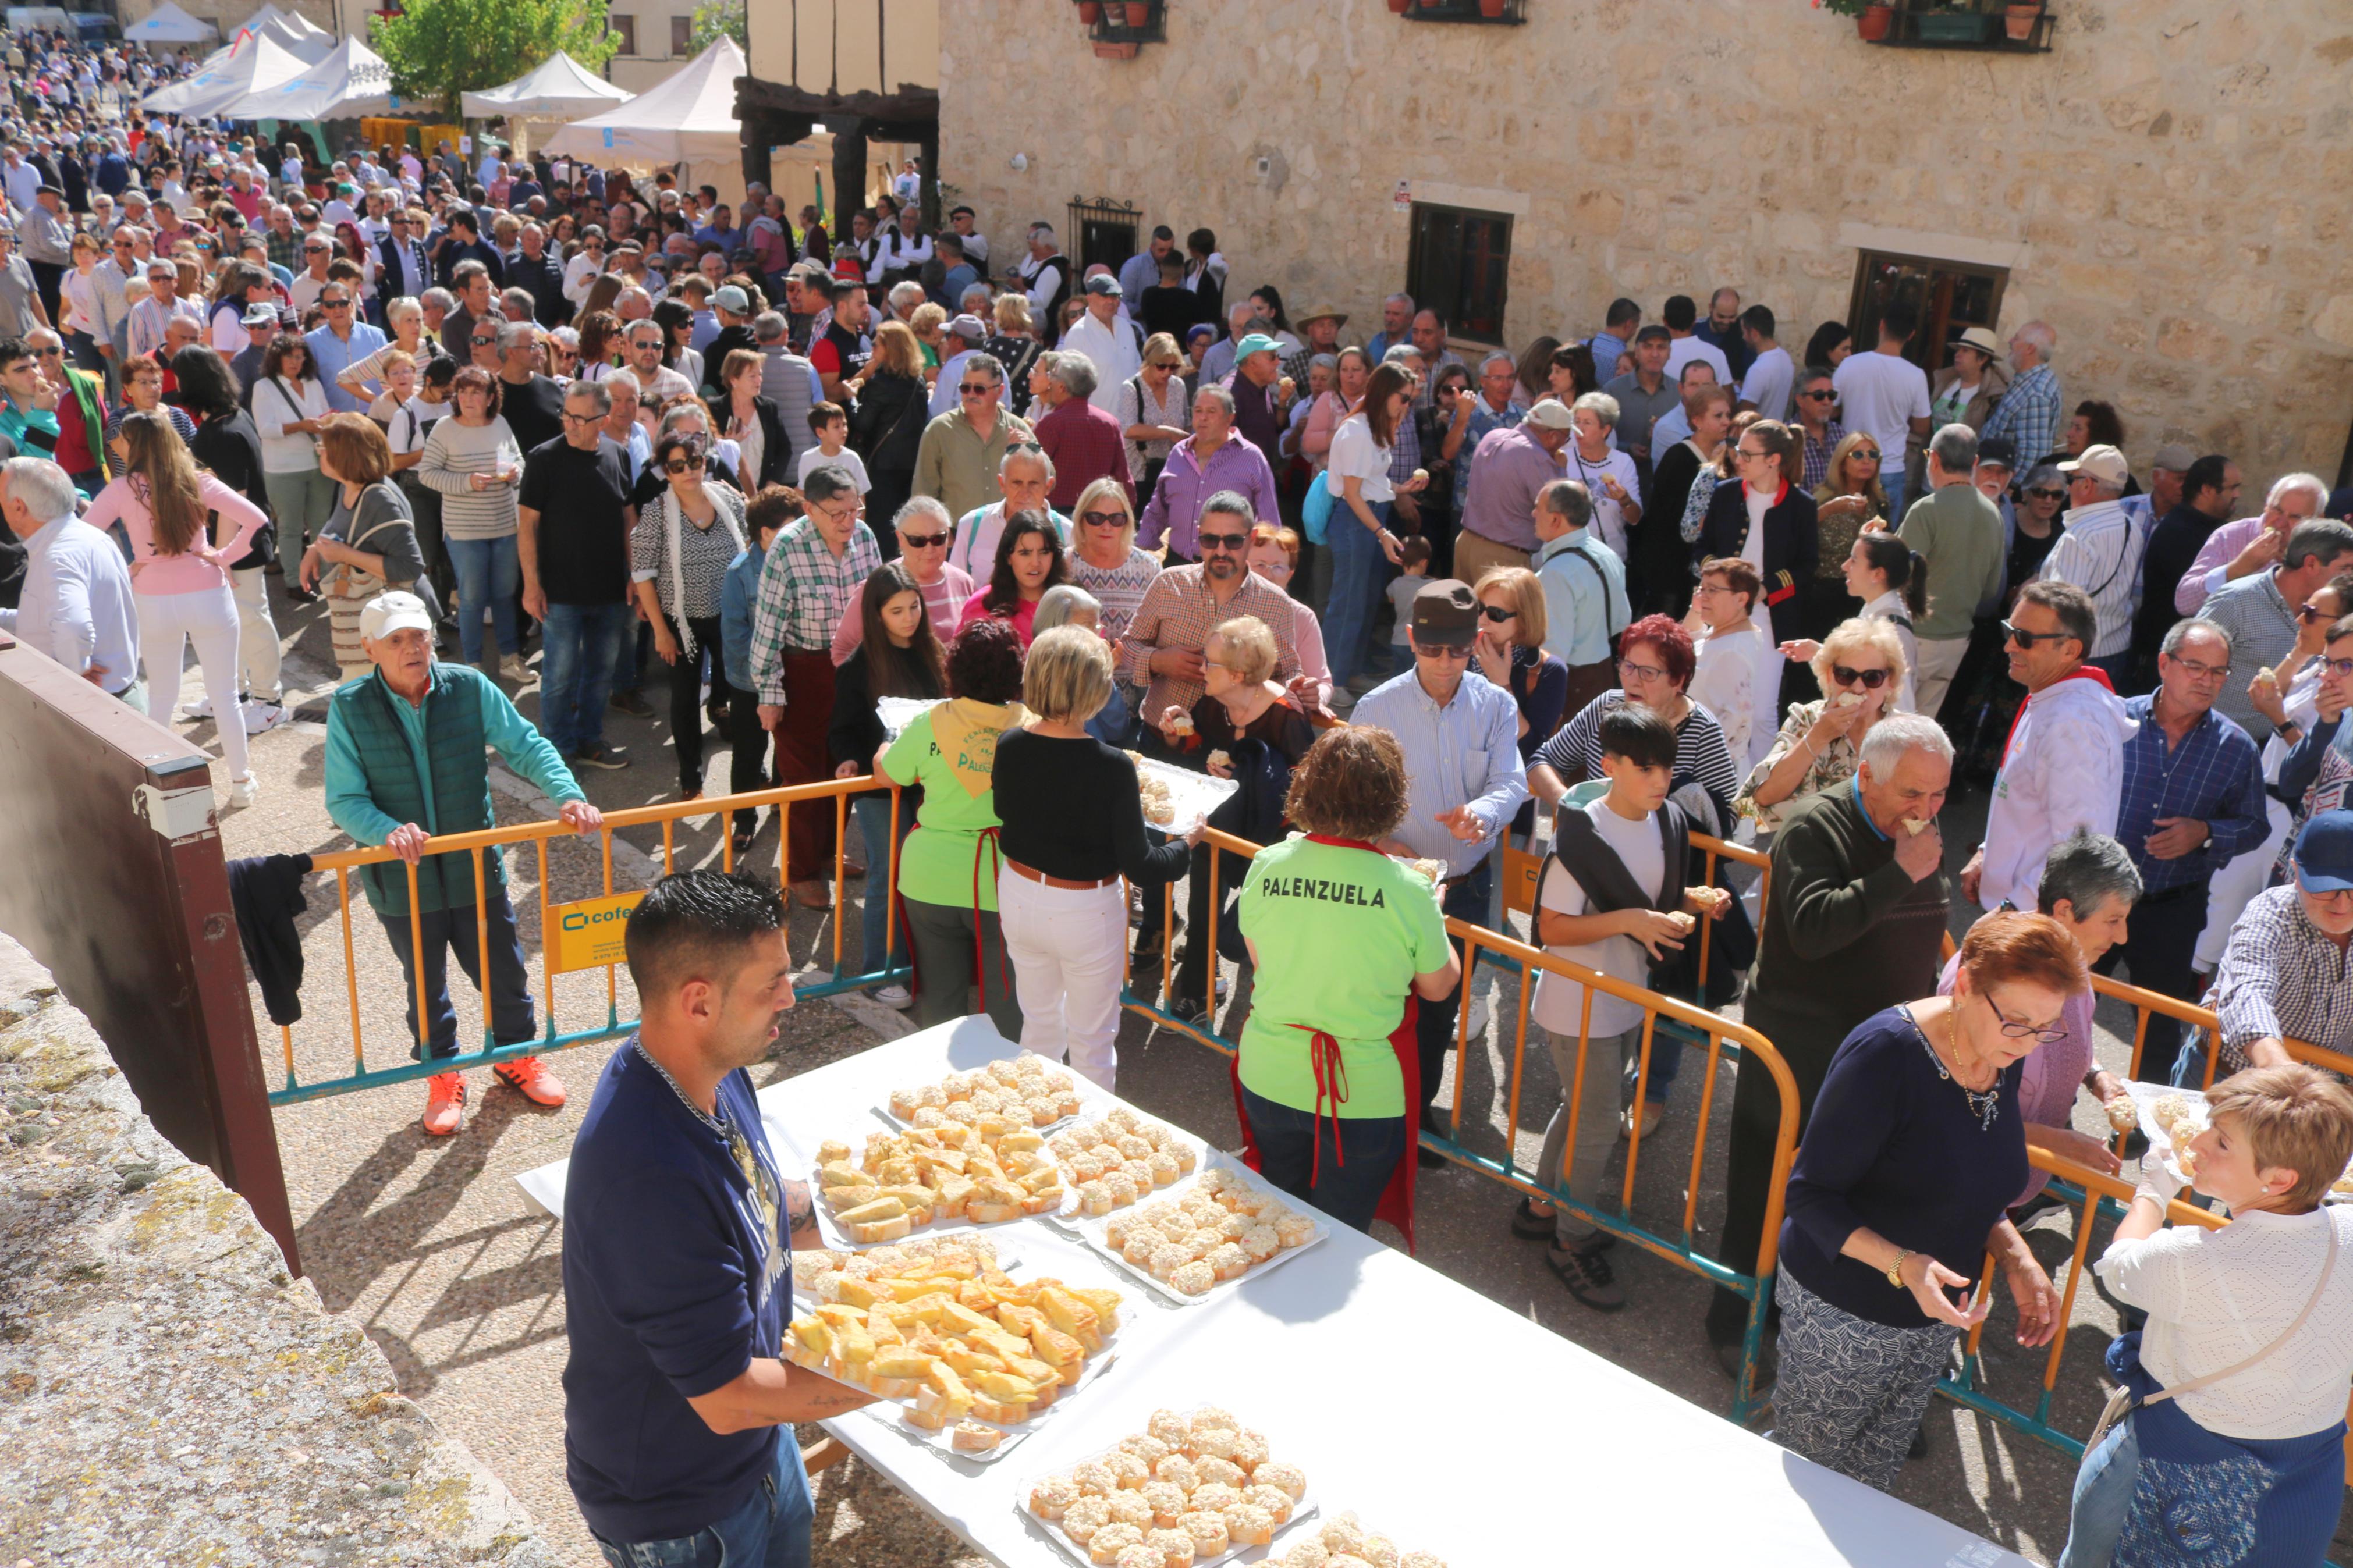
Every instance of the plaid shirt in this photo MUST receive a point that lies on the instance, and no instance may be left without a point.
(1179, 611)
(1814, 469)
(804, 589)
(1404, 456)
(2280, 979)
(2029, 414)
(2215, 774)
(285, 250)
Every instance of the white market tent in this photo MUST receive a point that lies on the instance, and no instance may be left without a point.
(295, 21)
(688, 119)
(167, 24)
(254, 63)
(560, 89)
(351, 81)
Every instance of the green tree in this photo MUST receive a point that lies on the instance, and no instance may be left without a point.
(717, 19)
(438, 49)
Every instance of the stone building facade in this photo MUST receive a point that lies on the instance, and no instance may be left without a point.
(2160, 184)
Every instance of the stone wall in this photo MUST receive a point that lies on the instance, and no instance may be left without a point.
(2164, 185)
(168, 1395)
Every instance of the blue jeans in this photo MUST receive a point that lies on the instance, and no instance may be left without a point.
(489, 572)
(1359, 571)
(1115, 725)
(1892, 482)
(575, 664)
(873, 815)
(1434, 1024)
(453, 930)
(629, 657)
(1370, 1147)
(770, 1530)
(2103, 1495)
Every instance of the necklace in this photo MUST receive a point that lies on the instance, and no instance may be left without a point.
(718, 1124)
(1985, 1103)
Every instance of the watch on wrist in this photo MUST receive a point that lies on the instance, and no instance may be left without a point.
(1896, 1270)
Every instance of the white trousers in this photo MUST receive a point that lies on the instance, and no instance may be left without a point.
(2239, 879)
(1940, 661)
(1066, 945)
(208, 617)
(257, 653)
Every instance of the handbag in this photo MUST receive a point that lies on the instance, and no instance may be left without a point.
(1316, 511)
(2121, 1403)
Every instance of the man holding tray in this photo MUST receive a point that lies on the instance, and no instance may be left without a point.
(676, 1271)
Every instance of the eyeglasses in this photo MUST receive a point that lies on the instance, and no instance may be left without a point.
(1165, 365)
(478, 343)
(922, 541)
(345, 305)
(1497, 612)
(2020, 1029)
(1439, 651)
(2342, 668)
(1103, 518)
(572, 418)
(2309, 612)
(1752, 453)
(2043, 493)
(1870, 452)
(2197, 672)
(1819, 397)
(1224, 541)
(1870, 679)
(2026, 639)
(1629, 670)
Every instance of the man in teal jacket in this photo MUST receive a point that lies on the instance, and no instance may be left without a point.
(406, 762)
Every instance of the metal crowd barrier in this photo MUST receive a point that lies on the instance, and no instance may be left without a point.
(553, 1037)
(1683, 1020)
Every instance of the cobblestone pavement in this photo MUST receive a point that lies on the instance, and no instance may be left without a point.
(431, 1248)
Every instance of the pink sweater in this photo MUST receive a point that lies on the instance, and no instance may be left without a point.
(155, 574)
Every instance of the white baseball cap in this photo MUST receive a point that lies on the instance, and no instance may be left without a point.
(394, 611)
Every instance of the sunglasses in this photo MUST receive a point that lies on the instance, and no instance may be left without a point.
(922, 541)
(1165, 365)
(1871, 678)
(478, 343)
(968, 389)
(1224, 541)
(1870, 452)
(2026, 639)
(2309, 612)
(345, 305)
(1440, 650)
(1819, 397)
(2042, 494)
(679, 466)
(1497, 612)
(1103, 518)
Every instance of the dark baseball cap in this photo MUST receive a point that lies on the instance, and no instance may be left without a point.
(2323, 852)
(1446, 614)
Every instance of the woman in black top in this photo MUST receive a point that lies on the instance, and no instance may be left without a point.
(898, 655)
(226, 443)
(887, 426)
(1074, 825)
(2035, 526)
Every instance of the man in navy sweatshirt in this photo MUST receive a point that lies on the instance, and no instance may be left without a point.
(676, 1267)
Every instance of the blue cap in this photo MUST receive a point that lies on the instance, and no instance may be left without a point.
(2324, 853)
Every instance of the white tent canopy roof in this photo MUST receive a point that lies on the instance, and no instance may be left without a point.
(254, 63)
(300, 25)
(560, 89)
(690, 116)
(349, 81)
(167, 24)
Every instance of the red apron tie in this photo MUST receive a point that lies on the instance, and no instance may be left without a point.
(1332, 1085)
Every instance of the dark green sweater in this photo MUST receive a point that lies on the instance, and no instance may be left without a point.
(1847, 931)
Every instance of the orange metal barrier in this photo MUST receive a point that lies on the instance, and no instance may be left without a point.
(667, 814)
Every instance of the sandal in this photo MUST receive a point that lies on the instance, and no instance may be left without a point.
(1530, 1225)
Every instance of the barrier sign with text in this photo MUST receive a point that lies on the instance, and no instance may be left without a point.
(588, 933)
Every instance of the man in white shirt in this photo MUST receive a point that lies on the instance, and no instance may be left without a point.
(1885, 396)
(1108, 342)
(318, 252)
(76, 605)
(1681, 314)
(20, 178)
(1772, 375)
(2100, 551)
(1674, 425)
(151, 317)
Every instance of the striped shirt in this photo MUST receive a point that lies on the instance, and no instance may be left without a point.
(804, 589)
(1703, 756)
(1119, 590)
(455, 452)
(2100, 552)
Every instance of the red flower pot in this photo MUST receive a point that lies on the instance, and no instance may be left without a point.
(1874, 22)
(1493, 10)
(1397, 7)
(1089, 12)
(2019, 20)
(1139, 13)
(1114, 51)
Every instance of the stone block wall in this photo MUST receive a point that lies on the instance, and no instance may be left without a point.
(2163, 185)
(168, 1395)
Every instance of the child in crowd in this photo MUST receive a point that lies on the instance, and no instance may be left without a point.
(832, 428)
(1610, 897)
(1413, 564)
(1727, 682)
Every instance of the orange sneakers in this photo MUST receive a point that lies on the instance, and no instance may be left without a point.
(445, 1103)
(527, 1077)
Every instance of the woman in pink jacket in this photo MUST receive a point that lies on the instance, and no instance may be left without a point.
(180, 575)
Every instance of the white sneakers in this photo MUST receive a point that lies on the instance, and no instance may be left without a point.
(897, 996)
(242, 792)
(512, 667)
(260, 717)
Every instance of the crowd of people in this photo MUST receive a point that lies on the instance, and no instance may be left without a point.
(1659, 577)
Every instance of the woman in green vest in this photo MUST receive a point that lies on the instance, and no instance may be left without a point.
(947, 868)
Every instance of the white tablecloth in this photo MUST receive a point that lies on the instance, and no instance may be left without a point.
(1469, 1452)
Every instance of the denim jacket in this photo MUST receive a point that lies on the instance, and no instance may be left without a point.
(737, 593)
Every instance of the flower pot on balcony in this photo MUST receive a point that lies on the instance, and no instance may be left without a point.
(1398, 8)
(2019, 21)
(1873, 25)
(1139, 13)
(1114, 51)
(1953, 27)
(1089, 12)
(1493, 10)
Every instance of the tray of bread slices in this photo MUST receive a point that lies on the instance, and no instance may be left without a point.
(1345, 1542)
(1225, 1226)
(964, 1358)
(898, 712)
(1191, 1488)
(1178, 800)
(2171, 1117)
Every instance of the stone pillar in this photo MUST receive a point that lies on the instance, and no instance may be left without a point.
(758, 136)
(848, 173)
(930, 186)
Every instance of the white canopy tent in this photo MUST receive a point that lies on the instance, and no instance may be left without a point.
(294, 21)
(254, 63)
(688, 119)
(167, 24)
(560, 89)
(351, 81)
